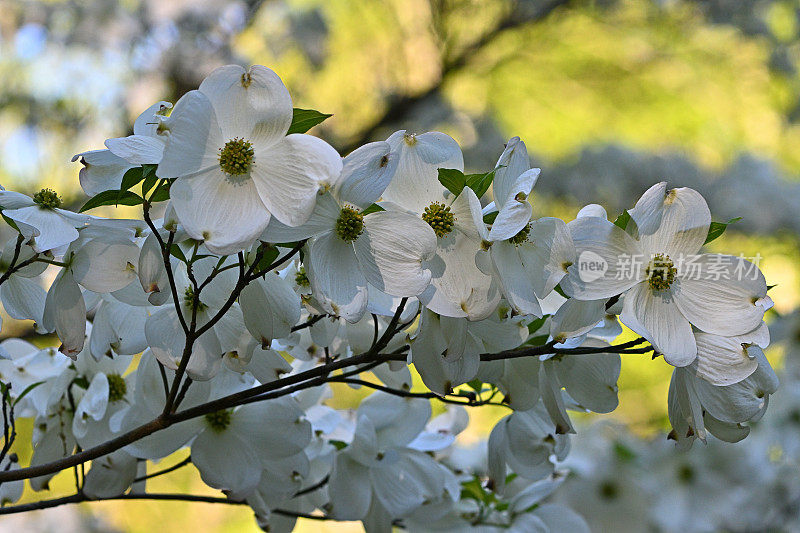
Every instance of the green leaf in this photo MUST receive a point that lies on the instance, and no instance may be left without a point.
(11, 223)
(539, 340)
(305, 119)
(716, 229)
(132, 177)
(488, 218)
(112, 197)
(175, 251)
(270, 255)
(150, 179)
(476, 385)
(161, 194)
(623, 452)
(26, 391)
(453, 179)
(81, 382)
(338, 444)
(560, 291)
(536, 325)
(374, 208)
(480, 182)
(622, 220)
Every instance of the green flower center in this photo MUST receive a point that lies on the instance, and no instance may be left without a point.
(660, 272)
(522, 236)
(219, 421)
(236, 157)
(301, 278)
(191, 299)
(116, 387)
(47, 199)
(350, 224)
(439, 217)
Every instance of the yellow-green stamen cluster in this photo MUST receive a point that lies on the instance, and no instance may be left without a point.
(350, 224)
(439, 217)
(661, 272)
(521, 236)
(191, 299)
(219, 421)
(301, 278)
(47, 198)
(116, 387)
(236, 157)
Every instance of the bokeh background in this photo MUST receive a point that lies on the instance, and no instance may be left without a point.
(610, 97)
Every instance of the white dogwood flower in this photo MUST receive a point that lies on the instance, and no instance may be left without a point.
(350, 249)
(671, 288)
(235, 165)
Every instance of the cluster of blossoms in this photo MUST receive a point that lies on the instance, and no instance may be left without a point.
(278, 270)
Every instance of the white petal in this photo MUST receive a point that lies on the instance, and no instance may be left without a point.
(147, 121)
(102, 171)
(224, 212)
(722, 294)
(391, 252)
(23, 298)
(592, 210)
(576, 317)
(398, 492)
(267, 365)
(193, 137)
(663, 323)
(561, 518)
(671, 222)
(336, 274)
(550, 388)
(722, 360)
(323, 219)
(110, 475)
(349, 489)
(288, 175)
(274, 428)
(152, 272)
(65, 312)
(366, 173)
(516, 210)
(600, 243)
(226, 461)
(51, 230)
(512, 163)
(102, 265)
(137, 149)
(270, 308)
(515, 278)
(416, 181)
(253, 104)
(591, 381)
(458, 287)
(547, 253)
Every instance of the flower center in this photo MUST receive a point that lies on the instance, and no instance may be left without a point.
(116, 387)
(349, 225)
(219, 421)
(301, 278)
(191, 299)
(521, 237)
(236, 157)
(439, 217)
(661, 272)
(47, 199)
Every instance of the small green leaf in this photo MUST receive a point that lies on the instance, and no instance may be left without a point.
(175, 251)
(536, 325)
(112, 197)
(623, 452)
(480, 183)
(622, 220)
(488, 218)
(338, 444)
(560, 291)
(716, 229)
(453, 179)
(270, 255)
(161, 194)
(305, 119)
(26, 391)
(132, 177)
(476, 385)
(374, 208)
